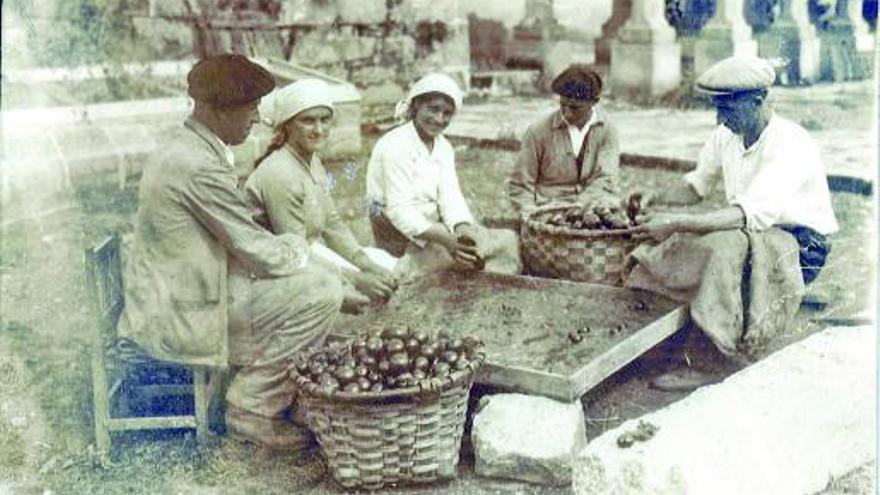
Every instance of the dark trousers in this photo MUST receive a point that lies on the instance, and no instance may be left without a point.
(814, 249)
(386, 236)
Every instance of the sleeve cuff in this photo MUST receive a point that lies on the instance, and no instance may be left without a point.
(450, 224)
(298, 247)
(410, 232)
(755, 220)
(698, 185)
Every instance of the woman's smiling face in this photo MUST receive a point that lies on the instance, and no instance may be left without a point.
(431, 114)
(308, 130)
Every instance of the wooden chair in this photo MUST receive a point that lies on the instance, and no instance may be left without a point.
(123, 378)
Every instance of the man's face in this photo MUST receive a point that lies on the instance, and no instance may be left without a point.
(737, 112)
(432, 113)
(308, 131)
(234, 122)
(576, 112)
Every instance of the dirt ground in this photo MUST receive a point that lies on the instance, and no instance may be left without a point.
(46, 439)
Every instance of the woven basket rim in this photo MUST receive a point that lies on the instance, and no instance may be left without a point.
(531, 223)
(423, 389)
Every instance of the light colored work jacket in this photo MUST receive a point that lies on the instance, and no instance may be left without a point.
(546, 168)
(192, 222)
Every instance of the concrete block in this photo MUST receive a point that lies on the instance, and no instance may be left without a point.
(784, 425)
(726, 34)
(714, 45)
(527, 438)
(561, 54)
(644, 68)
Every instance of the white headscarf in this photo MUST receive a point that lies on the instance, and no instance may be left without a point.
(430, 83)
(284, 103)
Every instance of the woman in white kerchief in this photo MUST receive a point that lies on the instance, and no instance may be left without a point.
(416, 206)
(290, 191)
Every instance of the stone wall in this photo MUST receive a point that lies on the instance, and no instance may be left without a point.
(380, 46)
(546, 35)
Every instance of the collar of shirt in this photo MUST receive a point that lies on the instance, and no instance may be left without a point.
(759, 143)
(416, 140)
(310, 166)
(598, 115)
(578, 135)
(208, 135)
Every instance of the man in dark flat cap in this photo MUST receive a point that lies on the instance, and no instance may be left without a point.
(208, 286)
(741, 267)
(571, 155)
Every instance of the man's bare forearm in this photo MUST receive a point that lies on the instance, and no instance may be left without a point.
(731, 217)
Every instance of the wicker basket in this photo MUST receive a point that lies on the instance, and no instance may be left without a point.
(597, 256)
(403, 436)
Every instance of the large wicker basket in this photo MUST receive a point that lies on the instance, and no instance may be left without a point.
(597, 256)
(403, 436)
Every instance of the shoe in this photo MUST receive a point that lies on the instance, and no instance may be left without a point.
(272, 433)
(684, 380)
(296, 415)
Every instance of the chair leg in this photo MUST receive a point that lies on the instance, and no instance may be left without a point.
(200, 398)
(101, 404)
(218, 384)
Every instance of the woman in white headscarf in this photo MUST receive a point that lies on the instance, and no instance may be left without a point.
(290, 191)
(416, 206)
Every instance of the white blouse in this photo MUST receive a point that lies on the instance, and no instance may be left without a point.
(416, 188)
(779, 179)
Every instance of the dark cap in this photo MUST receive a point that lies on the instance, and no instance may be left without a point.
(579, 82)
(228, 79)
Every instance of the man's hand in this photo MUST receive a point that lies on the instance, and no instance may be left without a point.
(661, 225)
(679, 194)
(658, 227)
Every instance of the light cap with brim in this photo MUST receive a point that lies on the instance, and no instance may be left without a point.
(287, 102)
(431, 83)
(736, 74)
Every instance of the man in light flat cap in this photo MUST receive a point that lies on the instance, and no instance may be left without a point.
(207, 285)
(742, 267)
(570, 155)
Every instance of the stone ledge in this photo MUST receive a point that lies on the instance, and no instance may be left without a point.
(782, 426)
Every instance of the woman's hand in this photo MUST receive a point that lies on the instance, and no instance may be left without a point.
(463, 253)
(463, 245)
(375, 286)
(353, 302)
(468, 247)
(385, 275)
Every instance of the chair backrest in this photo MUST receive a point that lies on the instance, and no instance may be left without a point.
(106, 291)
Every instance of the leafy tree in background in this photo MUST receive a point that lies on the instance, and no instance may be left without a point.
(84, 32)
(101, 33)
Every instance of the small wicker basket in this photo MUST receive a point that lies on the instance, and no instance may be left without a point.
(394, 437)
(597, 256)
